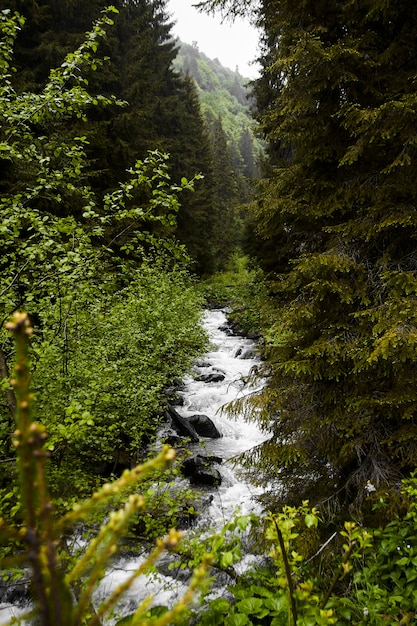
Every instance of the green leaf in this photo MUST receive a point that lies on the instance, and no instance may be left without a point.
(311, 520)
(277, 604)
(250, 605)
(237, 619)
(227, 559)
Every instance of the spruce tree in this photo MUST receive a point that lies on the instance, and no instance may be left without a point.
(160, 111)
(337, 223)
(226, 187)
(52, 29)
(188, 144)
(145, 80)
(246, 150)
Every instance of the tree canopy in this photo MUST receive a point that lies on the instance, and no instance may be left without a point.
(336, 230)
(160, 109)
(101, 312)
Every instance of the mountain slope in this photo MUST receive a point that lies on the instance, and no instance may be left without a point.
(223, 94)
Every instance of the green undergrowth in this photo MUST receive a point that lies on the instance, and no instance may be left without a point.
(241, 289)
(308, 574)
(63, 582)
(305, 573)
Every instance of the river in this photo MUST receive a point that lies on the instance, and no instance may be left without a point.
(233, 356)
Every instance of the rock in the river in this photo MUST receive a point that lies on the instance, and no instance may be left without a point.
(247, 353)
(213, 377)
(172, 438)
(181, 425)
(199, 470)
(202, 363)
(172, 393)
(204, 426)
(190, 514)
(209, 476)
(225, 328)
(15, 592)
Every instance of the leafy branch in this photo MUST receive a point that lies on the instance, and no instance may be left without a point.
(65, 598)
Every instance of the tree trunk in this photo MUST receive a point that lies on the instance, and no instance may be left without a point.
(10, 394)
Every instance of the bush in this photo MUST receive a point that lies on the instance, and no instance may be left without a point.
(241, 289)
(62, 587)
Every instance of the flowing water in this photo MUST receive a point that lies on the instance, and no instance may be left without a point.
(234, 357)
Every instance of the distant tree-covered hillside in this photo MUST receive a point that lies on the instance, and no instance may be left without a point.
(226, 95)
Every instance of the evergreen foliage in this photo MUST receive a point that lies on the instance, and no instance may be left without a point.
(363, 577)
(241, 288)
(226, 188)
(336, 218)
(189, 148)
(160, 112)
(236, 151)
(336, 230)
(223, 94)
(246, 150)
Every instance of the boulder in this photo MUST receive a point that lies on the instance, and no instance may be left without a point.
(209, 476)
(172, 393)
(214, 377)
(16, 592)
(172, 438)
(190, 514)
(204, 426)
(247, 353)
(199, 470)
(225, 328)
(201, 363)
(181, 425)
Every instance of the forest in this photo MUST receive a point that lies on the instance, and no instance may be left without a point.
(142, 183)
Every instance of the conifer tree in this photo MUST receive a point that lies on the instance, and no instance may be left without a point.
(52, 29)
(226, 194)
(188, 144)
(160, 111)
(337, 221)
(145, 80)
(60, 269)
(246, 150)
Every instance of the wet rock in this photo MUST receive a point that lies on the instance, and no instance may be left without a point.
(172, 393)
(204, 426)
(202, 363)
(172, 438)
(177, 573)
(199, 470)
(209, 476)
(214, 377)
(211, 305)
(15, 592)
(181, 425)
(190, 515)
(247, 353)
(215, 459)
(177, 401)
(225, 328)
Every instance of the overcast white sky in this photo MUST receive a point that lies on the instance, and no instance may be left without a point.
(234, 44)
